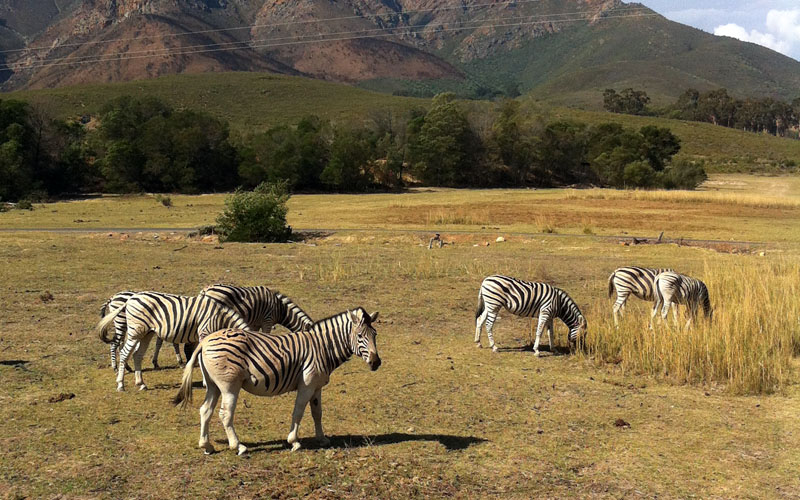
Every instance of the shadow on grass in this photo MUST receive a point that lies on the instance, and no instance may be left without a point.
(543, 349)
(452, 443)
(14, 362)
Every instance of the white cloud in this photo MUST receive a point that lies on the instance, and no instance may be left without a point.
(782, 35)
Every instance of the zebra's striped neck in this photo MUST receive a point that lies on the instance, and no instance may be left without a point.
(334, 340)
(571, 315)
(290, 315)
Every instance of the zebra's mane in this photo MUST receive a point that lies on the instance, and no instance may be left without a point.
(367, 318)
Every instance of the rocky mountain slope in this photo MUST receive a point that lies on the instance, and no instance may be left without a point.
(541, 45)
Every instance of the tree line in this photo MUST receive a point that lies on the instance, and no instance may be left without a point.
(765, 115)
(143, 144)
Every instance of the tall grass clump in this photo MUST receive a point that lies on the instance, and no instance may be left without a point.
(457, 217)
(747, 348)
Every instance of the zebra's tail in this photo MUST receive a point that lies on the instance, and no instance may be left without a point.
(102, 327)
(184, 396)
(611, 284)
(481, 306)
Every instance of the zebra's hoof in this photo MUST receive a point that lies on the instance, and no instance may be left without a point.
(242, 449)
(324, 442)
(120, 388)
(296, 446)
(478, 345)
(142, 387)
(537, 354)
(494, 348)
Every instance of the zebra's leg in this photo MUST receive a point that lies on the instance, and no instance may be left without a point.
(550, 335)
(304, 395)
(130, 344)
(316, 412)
(675, 314)
(544, 318)
(491, 317)
(138, 356)
(479, 321)
(114, 346)
(206, 411)
(177, 349)
(226, 412)
(156, 351)
(619, 306)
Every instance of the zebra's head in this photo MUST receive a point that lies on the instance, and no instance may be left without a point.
(578, 332)
(364, 335)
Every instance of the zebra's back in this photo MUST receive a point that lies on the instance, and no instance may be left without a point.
(635, 280)
(520, 297)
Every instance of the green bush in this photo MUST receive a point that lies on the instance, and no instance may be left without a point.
(25, 205)
(257, 215)
(683, 175)
(164, 200)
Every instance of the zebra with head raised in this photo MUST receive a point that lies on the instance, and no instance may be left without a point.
(672, 288)
(173, 318)
(636, 281)
(120, 327)
(268, 365)
(528, 299)
(261, 307)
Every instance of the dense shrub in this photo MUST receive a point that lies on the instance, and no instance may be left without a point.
(258, 215)
(683, 175)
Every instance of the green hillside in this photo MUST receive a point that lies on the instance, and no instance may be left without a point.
(249, 101)
(574, 66)
(252, 102)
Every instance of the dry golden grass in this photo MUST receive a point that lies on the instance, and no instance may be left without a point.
(688, 197)
(748, 347)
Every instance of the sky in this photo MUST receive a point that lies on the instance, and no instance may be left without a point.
(771, 23)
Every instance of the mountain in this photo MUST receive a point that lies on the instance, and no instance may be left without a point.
(563, 50)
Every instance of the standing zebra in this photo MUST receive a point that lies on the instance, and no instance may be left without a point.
(527, 299)
(672, 288)
(173, 318)
(268, 365)
(120, 327)
(261, 307)
(631, 280)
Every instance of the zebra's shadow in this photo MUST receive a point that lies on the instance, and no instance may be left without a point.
(545, 350)
(450, 442)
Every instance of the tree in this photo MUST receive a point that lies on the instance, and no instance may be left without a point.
(659, 146)
(444, 146)
(348, 169)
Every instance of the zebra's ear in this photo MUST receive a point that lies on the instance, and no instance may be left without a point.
(355, 317)
(373, 317)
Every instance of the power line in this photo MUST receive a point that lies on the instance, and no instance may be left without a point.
(290, 23)
(181, 51)
(154, 52)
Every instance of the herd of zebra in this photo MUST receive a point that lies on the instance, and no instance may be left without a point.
(227, 332)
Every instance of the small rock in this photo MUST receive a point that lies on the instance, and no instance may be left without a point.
(410, 429)
(621, 423)
(46, 297)
(500, 239)
(762, 254)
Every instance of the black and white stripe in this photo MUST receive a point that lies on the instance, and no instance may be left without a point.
(672, 288)
(528, 299)
(120, 328)
(636, 281)
(172, 318)
(261, 307)
(265, 364)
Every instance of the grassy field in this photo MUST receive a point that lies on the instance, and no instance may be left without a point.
(738, 207)
(709, 413)
(252, 102)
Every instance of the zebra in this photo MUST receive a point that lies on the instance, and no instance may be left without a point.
(174, 318)
(261, 307)
(631, 280)
(672, 288)
(120, 326)
(528, 299)
(268, 365)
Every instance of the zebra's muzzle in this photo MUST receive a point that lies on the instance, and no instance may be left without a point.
(374, 362)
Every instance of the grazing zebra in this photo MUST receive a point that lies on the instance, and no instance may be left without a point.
(672, 288)
(631, 280)
(174, 318)
(261, 307)
(524, 298)
(268, 365)
(120, 327)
